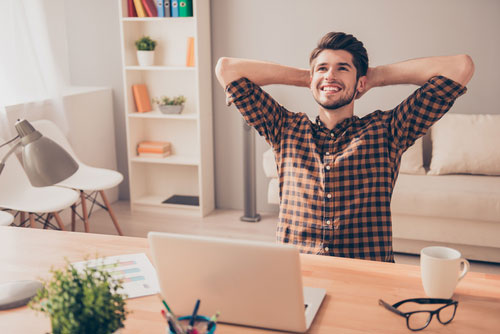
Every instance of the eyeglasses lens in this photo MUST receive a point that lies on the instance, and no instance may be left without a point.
(446, 314)
(419, 320)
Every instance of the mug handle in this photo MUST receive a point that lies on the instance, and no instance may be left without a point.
(465, 270)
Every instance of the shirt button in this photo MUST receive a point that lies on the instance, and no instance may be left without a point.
(328, 222)
(327, 249)
(329, 195)
(327, 153)
(331, 134)
(327, 167)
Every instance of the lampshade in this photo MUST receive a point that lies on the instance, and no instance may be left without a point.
(45, 162)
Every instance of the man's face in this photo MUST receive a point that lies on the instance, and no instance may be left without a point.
(333, 79)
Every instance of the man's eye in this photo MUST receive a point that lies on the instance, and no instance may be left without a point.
(321, 68)
(343, 68)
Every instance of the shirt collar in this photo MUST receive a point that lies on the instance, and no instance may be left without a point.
(338, 128)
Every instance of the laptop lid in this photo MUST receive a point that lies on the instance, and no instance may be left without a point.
(251, 283)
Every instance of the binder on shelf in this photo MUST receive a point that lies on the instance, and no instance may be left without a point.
(131, 8)
(190, 52)
(141, 98)
(166, 4)
(174, 8)
(160, 8)
(185, 8)
(139, 8)
(150, 7)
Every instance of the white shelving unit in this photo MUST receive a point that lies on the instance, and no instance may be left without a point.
(189, 170)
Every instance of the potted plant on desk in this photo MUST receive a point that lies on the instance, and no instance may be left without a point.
(82, 302)
(145, 51)
(170, 105)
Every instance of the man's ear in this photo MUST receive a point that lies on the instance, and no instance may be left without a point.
(361, 86)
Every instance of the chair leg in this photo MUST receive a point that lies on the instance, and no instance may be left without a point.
(84, 210)
(73, 214)
(111, 213)
(59, 221)
(32, 220)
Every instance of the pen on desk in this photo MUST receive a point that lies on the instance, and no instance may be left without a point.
(212, 321)
(170, 323)
(193, 316)
(178, 327)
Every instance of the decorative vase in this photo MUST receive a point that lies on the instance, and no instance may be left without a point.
(146, 58)
(170, 109)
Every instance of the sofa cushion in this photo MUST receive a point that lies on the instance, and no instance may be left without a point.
(472, 197)
(466, 144)
(412, 160)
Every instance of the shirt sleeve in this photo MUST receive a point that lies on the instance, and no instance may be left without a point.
(412, 118)
(258, 109)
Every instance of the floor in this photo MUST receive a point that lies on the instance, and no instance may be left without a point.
(222, 223)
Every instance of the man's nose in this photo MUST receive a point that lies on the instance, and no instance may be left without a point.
(329, 75)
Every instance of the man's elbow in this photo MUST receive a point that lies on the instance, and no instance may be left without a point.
(223, 70)
(465, 66)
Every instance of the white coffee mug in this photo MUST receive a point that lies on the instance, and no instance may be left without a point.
(440, 270)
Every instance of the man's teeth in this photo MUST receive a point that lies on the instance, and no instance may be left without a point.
(331, 89)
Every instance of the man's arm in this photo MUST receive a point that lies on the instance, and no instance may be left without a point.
(459, 68)
(260, 72)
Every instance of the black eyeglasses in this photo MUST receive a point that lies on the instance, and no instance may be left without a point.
(418, 320)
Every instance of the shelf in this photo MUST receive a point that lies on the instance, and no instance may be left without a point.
(157, 19)
(156, 201)
(153, 180)
(155, 114)
(160, 68)
(170, 160)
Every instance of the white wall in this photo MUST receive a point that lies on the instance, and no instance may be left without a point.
(285, 31)
(93, 32)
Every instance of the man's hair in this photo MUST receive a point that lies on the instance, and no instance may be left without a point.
(349, 43)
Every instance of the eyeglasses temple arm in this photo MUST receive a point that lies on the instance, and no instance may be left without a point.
(390, 308)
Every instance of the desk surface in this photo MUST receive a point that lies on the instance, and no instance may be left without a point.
(351, 305)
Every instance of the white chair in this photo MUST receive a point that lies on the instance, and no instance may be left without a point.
(6, 218)
(89, 181)
(17, 193)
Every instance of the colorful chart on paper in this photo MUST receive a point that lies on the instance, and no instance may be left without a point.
(136, 271)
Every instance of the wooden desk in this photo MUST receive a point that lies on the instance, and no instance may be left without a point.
(351, 305)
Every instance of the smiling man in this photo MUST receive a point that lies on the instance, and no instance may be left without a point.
(337, 174)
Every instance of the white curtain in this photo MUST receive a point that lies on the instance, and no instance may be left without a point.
(33, 60)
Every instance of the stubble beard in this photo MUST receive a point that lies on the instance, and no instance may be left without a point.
(340, 103)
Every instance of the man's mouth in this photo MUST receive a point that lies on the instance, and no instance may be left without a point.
(331, 88)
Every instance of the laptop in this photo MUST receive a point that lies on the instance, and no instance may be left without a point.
(251, 283)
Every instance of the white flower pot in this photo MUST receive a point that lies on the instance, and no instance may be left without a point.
(169, 109)
(146, 58)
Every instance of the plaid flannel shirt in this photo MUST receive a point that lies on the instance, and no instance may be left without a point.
(336, 185)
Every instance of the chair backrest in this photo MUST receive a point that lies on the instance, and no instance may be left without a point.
(13, 179)
(50, 130)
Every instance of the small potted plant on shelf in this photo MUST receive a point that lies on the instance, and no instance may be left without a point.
(82, 302)
(145, 51)
(170, 105)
